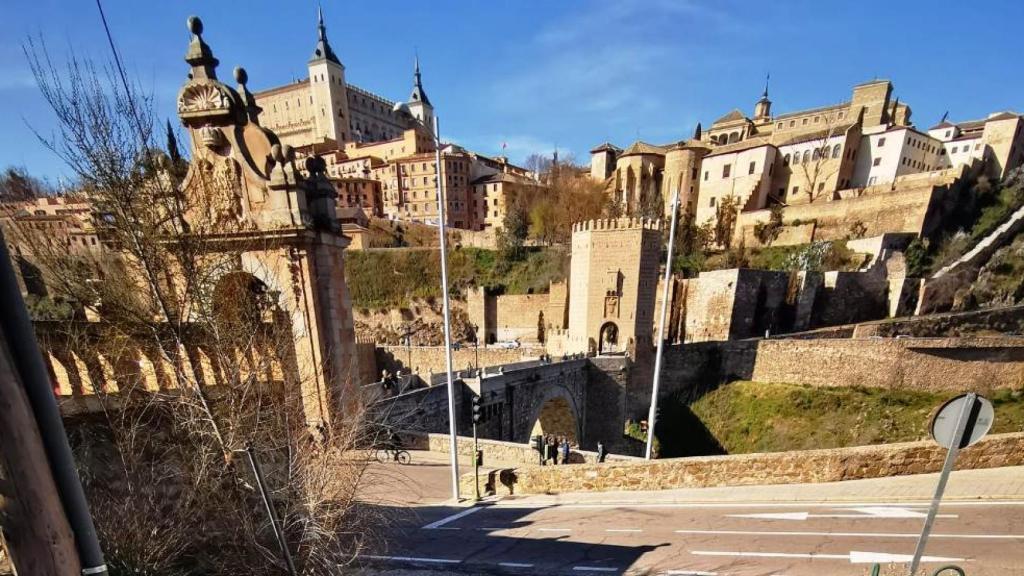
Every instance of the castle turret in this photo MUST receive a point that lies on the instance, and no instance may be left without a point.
(328, 88)
(682, 165)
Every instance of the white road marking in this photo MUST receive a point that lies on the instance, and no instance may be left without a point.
(623, 530)
(515, 564)
(555, 529)
(452, 518)
(414, 559)
(896, 513)
(689, 573)
(851, 534)
(594, 569)
(727, 505)
(853, 557)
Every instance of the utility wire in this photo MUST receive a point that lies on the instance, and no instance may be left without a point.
(124, 77)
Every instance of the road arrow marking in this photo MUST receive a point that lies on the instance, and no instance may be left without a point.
(853, 557)
(873, 512)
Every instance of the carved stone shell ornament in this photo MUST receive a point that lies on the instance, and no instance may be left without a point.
(198, 98)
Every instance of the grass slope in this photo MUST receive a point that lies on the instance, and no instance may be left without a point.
(746, 417)
(391, 278)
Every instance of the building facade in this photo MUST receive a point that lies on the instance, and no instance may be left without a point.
(326, 108)
(801, 157)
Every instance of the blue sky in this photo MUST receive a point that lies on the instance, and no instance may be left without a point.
(539, 74)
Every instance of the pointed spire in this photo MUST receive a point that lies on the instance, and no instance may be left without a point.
(697, 132)
(323, 49)
(199, 55)
(945, 115)
(418, 93)
(764, 95)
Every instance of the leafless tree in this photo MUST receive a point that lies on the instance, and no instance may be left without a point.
(199, 358)
(824, 159)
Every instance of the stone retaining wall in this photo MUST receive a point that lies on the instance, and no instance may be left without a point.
(424, 360)
(496, 451)
(1007, 320)
(933, 364)
(810, 466)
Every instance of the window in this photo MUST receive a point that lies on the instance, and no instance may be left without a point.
(725, 170)
(835, 151)
(752, 166)
(817, 119)
(948, 133)
(953, 151)
(816, 154)
(785, 160)
(881, 142)
(792, 123)
(876, 162)
(977, 146)
(796, 190)
(705, 175)
(804, 122)
(807, 157)
(712, 203)
(780, 125)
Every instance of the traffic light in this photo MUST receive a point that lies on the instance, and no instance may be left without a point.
(477, 410)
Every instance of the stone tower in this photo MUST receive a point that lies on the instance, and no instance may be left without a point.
(419, 105)
(763, 108)
(612, 283)
(682, 167)
(279, 225)
(328, 88)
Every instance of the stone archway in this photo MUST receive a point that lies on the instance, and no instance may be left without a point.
(556, 418)
(608, 342)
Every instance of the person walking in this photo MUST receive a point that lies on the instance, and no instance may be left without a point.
(565, 450)
(552, 447)
(602, 452)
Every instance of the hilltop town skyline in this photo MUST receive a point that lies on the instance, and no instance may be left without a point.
(569, 78)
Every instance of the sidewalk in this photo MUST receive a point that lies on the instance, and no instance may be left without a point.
(990, 484)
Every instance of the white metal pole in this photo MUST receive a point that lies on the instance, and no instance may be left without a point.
(947, 467)
(652, 415)
(439, 175)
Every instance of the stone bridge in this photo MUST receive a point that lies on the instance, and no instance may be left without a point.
(582, 399)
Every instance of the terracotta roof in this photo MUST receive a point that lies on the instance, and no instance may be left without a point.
(813, 110)
(837, 130)
(943, 124)
(639, 147)
(731, 117)
(748, 144)
(1003, 116)
(606, 146)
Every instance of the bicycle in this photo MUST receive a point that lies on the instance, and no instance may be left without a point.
(385, 455)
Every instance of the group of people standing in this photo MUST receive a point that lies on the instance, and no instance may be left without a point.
(556, 450)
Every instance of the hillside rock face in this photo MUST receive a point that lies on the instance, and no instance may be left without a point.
(1000, 281)
(423, 321)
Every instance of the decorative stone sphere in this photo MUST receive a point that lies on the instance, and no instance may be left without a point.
(195, 25)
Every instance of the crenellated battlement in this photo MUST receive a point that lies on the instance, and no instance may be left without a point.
(623, 223)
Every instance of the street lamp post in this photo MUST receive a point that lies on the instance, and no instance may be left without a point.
(441, 200)
(652, 416)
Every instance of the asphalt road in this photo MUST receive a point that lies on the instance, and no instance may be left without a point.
(986, 538)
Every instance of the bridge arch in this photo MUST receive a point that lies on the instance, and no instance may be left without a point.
(557, 412)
